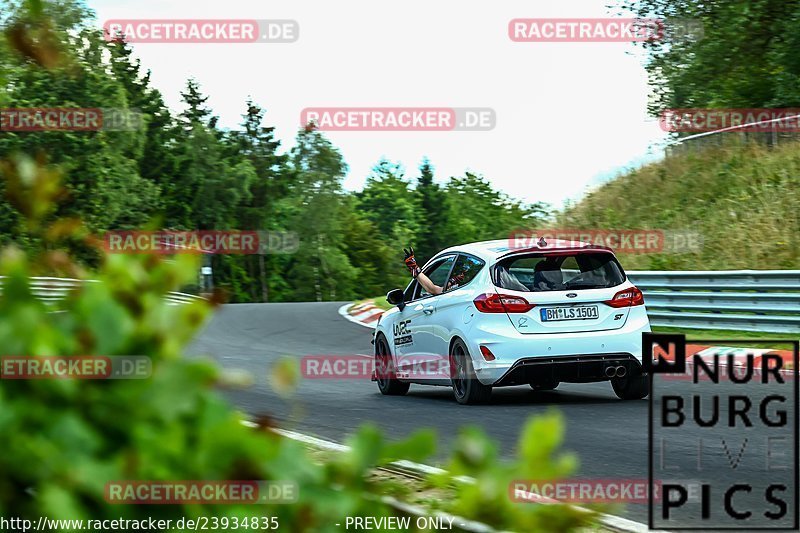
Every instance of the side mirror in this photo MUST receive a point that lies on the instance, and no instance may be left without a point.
(395, 297)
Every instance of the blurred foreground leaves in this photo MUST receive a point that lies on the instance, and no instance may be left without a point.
(64, 440)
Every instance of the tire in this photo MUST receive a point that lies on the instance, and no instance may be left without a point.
(466, 387)
(385, 370)
(631, 388)
(545, 386)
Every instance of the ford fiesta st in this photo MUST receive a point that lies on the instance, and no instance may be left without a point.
(558, 311)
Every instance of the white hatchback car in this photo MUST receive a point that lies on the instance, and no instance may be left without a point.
(559, 311)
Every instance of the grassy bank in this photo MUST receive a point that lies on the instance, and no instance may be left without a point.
(742, 199)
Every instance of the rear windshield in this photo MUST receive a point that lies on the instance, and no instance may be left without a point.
(539, 272)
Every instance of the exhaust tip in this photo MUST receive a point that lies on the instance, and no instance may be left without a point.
(621, 371)
(611, 371)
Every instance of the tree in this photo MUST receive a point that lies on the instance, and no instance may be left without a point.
(389, 202)
(157, 158)
(103, 186)
(432, 207)
(196, 110)
(379, 265)
(319, 270)
(476, 212)
(257, 144)
(747, 56)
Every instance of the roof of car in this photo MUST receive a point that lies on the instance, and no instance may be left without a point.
(490, 250)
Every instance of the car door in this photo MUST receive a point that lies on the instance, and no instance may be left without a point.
(416, 327)
(402, 339)
(451, 306)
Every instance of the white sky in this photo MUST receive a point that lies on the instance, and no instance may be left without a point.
(568, 114)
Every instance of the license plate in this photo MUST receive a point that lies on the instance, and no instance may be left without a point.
(581, 312)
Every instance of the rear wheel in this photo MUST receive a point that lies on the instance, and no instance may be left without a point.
(385, 371)
(466, 387)
(631, 388)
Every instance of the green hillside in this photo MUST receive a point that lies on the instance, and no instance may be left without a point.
(743, 199)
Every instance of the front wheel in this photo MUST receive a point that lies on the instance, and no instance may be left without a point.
(631, 388)
(466, 387)
(388, 384)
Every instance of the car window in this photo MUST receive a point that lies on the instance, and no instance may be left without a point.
(464, 271)
(437, 272)
(538, 272)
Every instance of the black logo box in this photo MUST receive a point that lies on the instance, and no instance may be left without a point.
(679, 366)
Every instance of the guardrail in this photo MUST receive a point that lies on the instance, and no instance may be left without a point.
(744, 300)
(51, 290)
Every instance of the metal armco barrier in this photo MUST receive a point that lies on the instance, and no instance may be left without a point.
(51, 290)
(744, 300)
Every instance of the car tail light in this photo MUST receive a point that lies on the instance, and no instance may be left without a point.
(626, 298)
(502, 303)
(487, 354)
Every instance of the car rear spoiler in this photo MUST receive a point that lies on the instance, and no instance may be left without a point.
(556, 250)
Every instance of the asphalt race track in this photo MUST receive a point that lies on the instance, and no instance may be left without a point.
(608, 435)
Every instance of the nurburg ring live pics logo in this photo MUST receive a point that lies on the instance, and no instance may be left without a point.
(723, 445)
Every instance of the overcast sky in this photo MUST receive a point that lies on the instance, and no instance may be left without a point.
(568, 114)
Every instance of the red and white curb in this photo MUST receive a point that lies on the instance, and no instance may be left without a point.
(365, 314)
(739, 354)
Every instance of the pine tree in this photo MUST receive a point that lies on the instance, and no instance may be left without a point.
(258, 144)
(433, 213)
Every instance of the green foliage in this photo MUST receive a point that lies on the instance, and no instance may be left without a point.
(64, 440)
(432, 201)
(390, 203)
(748, 55)
(488, 498)
(741, 199)
(476, 211)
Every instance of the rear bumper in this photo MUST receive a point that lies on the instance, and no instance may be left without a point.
(570, 368)
(521, 356)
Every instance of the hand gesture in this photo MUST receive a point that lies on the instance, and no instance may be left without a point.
(411, 263)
